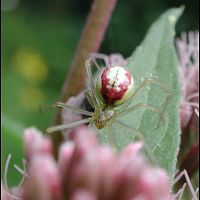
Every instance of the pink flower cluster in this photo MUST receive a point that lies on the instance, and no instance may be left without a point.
(188, 53)
(87, 171)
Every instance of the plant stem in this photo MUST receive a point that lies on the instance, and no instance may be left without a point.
(89, 42)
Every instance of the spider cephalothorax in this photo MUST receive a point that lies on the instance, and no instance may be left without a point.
(101, 117)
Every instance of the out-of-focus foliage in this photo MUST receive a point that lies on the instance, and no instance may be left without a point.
(12, 143)
(36, 51)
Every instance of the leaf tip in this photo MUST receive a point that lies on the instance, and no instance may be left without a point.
(182, 8)
(172, 19)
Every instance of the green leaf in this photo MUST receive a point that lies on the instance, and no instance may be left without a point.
(11, 144)
(154, 58)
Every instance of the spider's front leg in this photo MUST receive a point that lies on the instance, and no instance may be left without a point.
(114, 59)
(141, 106)
(94, 96)
(100, 56)
(70, 124)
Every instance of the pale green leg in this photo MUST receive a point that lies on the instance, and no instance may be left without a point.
(139, 106)
(92, 94)
(145, 83)
(90, 98)
(73, 108)
(91, 83)
(101, 56)
(69, 125)
(92, 59)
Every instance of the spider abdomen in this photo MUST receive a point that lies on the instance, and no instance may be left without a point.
(115, 85)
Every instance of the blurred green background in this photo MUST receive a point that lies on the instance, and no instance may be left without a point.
(39, 39)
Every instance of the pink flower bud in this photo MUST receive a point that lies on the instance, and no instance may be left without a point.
(35, 143)
(17, 192)
(132, 149)
(44, 181)
(84, 138)
(64, 158)
(83, 173)
(126, 173)
(4, 194)
(185, 114)
(153, 184)
(83, 195)
(106, 160)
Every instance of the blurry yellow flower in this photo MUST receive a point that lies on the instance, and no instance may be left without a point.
(30, 65)
(31, 98)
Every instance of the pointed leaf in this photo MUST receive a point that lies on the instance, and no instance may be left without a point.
(155, 58)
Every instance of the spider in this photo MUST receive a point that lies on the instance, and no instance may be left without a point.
(110, 95)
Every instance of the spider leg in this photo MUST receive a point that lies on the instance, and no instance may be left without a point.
(100, 56)
(138, 106)
(90, 94)
(186, 176)
(91, 82)
(179, 194)
(139, 134)
(92, 59)
(90, 98)
(69, 125)
(146, 82)
(73, 108)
